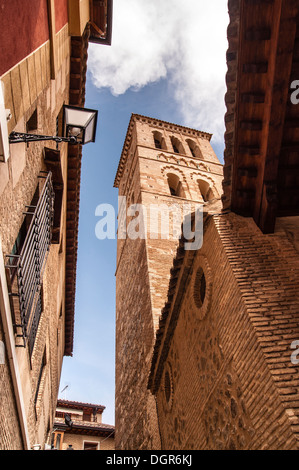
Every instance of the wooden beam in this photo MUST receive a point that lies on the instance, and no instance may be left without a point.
(280, 65)
(265, 57)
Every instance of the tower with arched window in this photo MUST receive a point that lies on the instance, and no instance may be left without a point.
(163, 166)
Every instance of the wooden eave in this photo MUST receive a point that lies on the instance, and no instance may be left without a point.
(99, 30)
(75, 405)
(261, 169)
(78, 68)
(85, 429)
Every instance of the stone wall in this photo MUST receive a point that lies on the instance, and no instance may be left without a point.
(19, 177)
(10, 436)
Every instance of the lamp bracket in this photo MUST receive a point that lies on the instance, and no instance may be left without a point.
(16, 137)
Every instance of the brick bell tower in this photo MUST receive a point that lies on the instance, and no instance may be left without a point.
(161, 164)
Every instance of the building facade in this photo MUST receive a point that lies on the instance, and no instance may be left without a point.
(163, 166)
(225, 365)
(222, 369)
(78, 426)
(207, 338)
(43, 67)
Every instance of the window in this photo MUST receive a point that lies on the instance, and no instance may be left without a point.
(175, 185)
(199, 288)
(202, 287)
(158, 144)
(159, 140)
(205, 190)
(86, 416)
(20, 240)
(167, 386)
(90, 445)
(176, 145)
(31, 124)
(194, 149)
(57, 440)
(27, 261)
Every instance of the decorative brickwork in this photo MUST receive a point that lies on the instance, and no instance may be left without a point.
(239, 390)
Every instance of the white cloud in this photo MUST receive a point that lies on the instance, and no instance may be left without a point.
(183, 41)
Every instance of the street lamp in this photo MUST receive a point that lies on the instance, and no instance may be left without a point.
(79, 127)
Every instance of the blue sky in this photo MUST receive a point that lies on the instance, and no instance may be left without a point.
(119, 83)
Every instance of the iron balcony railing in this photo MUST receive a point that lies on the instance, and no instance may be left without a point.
(25, 269)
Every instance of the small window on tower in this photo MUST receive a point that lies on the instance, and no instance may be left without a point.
(194, 149)
(158, 144)
(177, 145)
(159, 140)
(205, 190)
(175, 186)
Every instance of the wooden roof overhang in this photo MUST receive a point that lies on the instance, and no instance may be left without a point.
(75, 405)
(99, 30)
(261, 158)
(78, 68)
(85, 429)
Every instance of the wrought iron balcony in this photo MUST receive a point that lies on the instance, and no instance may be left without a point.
(25, 268)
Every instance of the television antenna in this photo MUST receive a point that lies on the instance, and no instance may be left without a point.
(66, 387)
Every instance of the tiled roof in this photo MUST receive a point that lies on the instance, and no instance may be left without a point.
(78, 405)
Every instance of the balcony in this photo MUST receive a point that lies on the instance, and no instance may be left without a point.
(26, 263)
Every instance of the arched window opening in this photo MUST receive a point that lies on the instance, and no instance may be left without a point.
(175, 185)
(205, 190)
(158, 144)
(159, 140)
(199, 288)
(176, 145)
(194, 149)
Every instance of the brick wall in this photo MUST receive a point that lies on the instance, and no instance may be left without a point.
(134, 405)
(143, 266)
(232, 382)
(77, 441)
